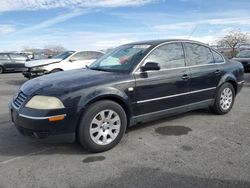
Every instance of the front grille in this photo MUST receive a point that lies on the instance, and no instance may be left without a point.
(20, 99)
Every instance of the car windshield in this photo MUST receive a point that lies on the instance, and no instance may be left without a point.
(244, 54)
(120, 59)
(63, 55)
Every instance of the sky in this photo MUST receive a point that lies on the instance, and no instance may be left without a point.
(101, 24)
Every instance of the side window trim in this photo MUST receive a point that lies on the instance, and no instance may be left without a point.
(206, 64)
(185, 55)
(222, 57)
(142, 62)
(212, 56)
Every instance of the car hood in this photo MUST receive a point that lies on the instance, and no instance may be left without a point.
(61, 83)
(36, 63)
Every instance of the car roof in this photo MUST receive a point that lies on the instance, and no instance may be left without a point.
(158, 42)
(90, 51)
(10, 53)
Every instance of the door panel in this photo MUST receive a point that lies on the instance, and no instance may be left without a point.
(205, 80)
(155, 91)
(5, 61)
(166, 88)
(17, 62)
(205, 73)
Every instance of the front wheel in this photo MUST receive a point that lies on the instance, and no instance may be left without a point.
(102, 126)
(224, 99)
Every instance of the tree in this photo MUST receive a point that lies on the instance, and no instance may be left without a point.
(54, 49)
(233, 40)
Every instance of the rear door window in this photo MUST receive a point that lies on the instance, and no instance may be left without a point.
(198, 54)
(217, 57)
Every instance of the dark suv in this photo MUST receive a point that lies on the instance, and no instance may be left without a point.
(12, 62)
(133, 83)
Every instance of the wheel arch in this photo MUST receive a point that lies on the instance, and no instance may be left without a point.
(59, 69)
(1, 65)
(118, 97)
(230, 78)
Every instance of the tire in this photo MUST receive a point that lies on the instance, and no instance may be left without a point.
(96, 131)
(1, 69)
(224, 99)
(56, 70)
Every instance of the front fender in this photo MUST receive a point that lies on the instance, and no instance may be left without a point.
(104, 93)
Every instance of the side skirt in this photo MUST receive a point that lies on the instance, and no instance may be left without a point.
(170, 112)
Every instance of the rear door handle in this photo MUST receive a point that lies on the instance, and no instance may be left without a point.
(185, 77)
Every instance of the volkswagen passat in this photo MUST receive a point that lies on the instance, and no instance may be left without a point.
(133, 83)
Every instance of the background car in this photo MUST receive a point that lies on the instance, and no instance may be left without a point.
(133, 83)
(244, 57)
(10, 62)
(67, 60)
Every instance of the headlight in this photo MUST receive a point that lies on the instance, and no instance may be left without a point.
(37, 68)
(44, 103)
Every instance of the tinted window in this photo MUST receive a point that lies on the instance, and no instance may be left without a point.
(17, 57)
(197, 54)
(63, 55)
(168, 56)
(217, 57)
(80, 56)
(4, 57)
(94, 55)
(244, 54)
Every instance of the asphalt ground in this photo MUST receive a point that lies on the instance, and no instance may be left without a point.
(195, 149)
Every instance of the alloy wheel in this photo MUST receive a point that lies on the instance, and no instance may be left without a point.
(226, 98)
(105, 127)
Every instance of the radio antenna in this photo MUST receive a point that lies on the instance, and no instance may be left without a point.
(193, 31)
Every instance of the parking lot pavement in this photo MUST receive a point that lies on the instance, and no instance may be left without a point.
(196, 149)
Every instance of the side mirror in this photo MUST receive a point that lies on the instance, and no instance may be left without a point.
(72, 60)
(149, 66)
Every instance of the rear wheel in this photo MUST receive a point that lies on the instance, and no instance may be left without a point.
(224, 99)
(102, 126)
(1, 69)
(56, 70)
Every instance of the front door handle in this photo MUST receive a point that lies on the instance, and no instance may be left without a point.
(185, 77)
(217, 72)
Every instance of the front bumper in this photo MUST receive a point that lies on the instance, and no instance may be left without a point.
(36, 124)
(32, 74)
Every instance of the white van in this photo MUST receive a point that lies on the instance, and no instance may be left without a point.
(64, 61)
